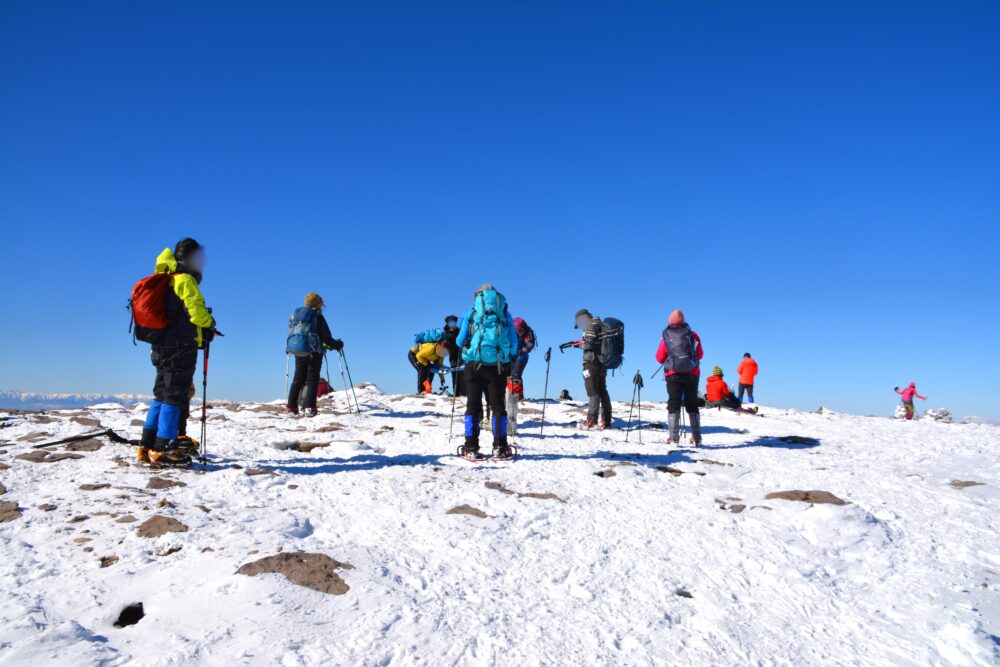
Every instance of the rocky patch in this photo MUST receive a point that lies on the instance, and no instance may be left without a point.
(963, 484)
(108, 561)
(9, 511)
(315, 571)
(160, 525)
(676, 472)
(496, 486)
(44, 456)
(86, 421)
(91, 445)
(157, 483)
(811, 497)
(94, 487)
(468, 509)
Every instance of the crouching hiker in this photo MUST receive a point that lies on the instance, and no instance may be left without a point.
(308, 339)
(426, 359)
(169, 312)
(489, 343)
(680, 353)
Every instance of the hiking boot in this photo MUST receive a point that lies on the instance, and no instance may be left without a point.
(674, 427)
(470, 452)
(144, 455)
(695, 419)
(312, 412)
(428, 388)
(291, 412)
(586, 425)
(605, 425)
(502, 453)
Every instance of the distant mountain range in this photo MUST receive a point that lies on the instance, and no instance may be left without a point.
(22, 400)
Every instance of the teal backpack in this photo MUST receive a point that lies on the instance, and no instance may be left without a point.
(489, 330)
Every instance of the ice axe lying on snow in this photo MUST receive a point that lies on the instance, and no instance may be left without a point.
(111, 435)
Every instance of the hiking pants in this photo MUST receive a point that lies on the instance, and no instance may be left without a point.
(595, 381)
(485, 379)
(910, 410)
(423, 372)
(174, 373)
(517, 367)
(682, 388)
(748, 388)
(307, 371)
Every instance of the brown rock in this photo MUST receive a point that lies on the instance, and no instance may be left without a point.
(86, 421)
(42, 456)
(307, 447)
(3, 489)
(315, 571)
(94, 487)
(91, 445)
(9, 511)
(34, 437)
(79, 518)
(136, 422)
(605, 473)
(171, 550)
(468, 509)
(813, 497)
(960, 484)
(259, 471)
(47, 507)
(4, 466)
(496, 486)
(108, 561)
(128, 518)
(160, 525)
(158, 483)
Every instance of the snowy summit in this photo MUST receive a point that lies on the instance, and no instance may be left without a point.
(789, 538)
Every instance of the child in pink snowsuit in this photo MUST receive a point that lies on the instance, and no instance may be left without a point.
(908, 395)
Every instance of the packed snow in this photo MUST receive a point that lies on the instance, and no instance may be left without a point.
(585, 550)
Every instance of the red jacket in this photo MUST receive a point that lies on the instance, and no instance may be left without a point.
(747, 370)
(661, 354)
(716, 389)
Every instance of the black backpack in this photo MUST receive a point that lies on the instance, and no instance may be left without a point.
(682, 349)
(612, 351)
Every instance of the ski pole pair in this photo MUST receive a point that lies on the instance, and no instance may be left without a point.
(348, 388)
(636, 401)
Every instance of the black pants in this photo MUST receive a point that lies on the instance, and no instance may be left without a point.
(682, 388)
(307, 371)
(517, 368)
(595, 381)
(423, 372)
(174, 373)
(488, 380)
(748, 388)
(457, 379)
(183, 419)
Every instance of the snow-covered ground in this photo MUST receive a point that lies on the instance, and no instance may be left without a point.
(627, 554)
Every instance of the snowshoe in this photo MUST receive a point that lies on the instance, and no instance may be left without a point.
(168, 459)
(469, 453)
(185, 444)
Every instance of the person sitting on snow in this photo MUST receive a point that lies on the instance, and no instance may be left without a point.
(717, 393)
(907, 399)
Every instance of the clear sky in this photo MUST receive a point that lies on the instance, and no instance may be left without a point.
(817, 183)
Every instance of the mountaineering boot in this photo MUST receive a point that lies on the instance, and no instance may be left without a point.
(469, 451)
(502, 452)
(185, 444)
(291, 412)
(428, 388)
(674, 427)
(605, 425)
(147, 440)
(695, 419)
(162, 453)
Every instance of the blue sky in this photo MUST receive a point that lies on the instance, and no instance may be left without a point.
(816, 183)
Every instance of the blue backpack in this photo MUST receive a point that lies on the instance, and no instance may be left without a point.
(489, 330)
(428, 336)
(303, 338)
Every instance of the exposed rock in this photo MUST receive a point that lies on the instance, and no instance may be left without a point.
(798, 440)
(91, 445)
(316, 571)
(79, 518)
(128, 518)
(171, 550)
(136, 423)
(468, 509)
(307, 447)
(605, 473)
(160, 525)
(94, 487)
(108, 561)
(158, 483)
(683, 593)
(964, 484)
(9, 511)
(34, 437)
(130, 615)
(813, 497)
(86, 421)
(259, 471)
(4, 466)
(47, 507)
(677, 473)
(715, 463)
(496, 486)
(81, 540)
(43, 456)
(204, 509)
(293, 486)
(3, 489)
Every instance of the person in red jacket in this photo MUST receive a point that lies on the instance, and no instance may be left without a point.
(747, 370)
(680, 354)
(718, 394)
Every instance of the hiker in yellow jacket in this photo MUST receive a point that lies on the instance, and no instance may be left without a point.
(427, 358)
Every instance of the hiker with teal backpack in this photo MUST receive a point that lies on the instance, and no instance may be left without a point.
(489, 343)
(308, 339)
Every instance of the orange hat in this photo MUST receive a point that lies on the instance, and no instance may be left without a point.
(676, 317)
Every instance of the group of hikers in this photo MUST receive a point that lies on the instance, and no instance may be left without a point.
(487, 350)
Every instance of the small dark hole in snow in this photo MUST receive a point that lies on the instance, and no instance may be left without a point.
(130, 615)
(683, 593)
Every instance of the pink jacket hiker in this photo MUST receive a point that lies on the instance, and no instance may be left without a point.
(910, 392)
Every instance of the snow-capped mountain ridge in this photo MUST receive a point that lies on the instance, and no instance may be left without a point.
(29, 400)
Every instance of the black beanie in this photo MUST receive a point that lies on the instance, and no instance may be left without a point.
(185, 248)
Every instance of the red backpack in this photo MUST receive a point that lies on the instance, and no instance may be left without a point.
(149, 308)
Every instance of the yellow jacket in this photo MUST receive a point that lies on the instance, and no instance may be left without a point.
(186, 288)
(427, 353)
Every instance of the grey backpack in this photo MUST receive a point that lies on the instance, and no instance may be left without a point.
(682, 349)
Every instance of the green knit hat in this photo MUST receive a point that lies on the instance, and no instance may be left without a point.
(717, 371)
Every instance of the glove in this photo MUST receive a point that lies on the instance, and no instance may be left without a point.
(896, 388)
(337, 345)
(207, 335)
(435, 368)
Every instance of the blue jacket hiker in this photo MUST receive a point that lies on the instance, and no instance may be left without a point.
(489, 344)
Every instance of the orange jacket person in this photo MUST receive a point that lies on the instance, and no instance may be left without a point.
(747, 371)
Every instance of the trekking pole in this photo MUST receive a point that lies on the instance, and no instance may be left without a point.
(343, 358)
(343, 378)
(204, 405)
(451, 424)
(545, 396)
(636, 392)
(628, 429)
(639, 406)
(656, 371)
